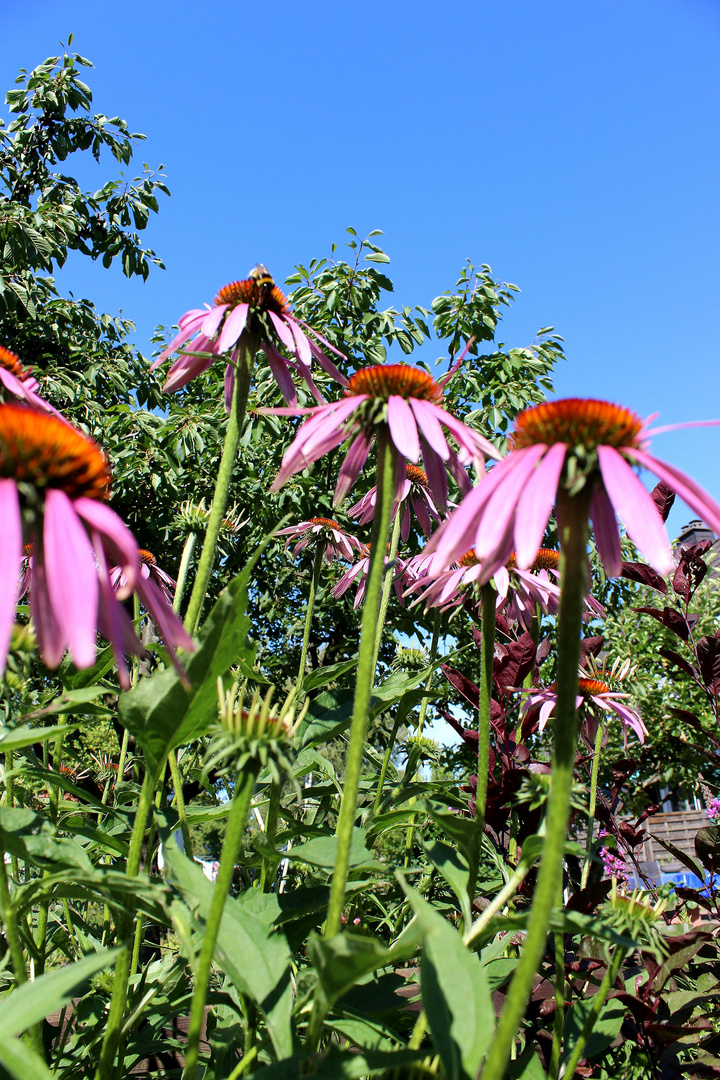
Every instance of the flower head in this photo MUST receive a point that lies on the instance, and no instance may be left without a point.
(319, 530)
(592, 694)
(405, 401)
(571, 442)
(253, 312)
(358, 574)
(53, 485)
(413, 493)
(16, 380)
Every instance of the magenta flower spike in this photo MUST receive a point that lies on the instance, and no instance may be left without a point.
(407, 400)
(53, 485)
(252, 309)
(414, 493)
(591, 692)
(339, 544)
(510, 508)
(14, 379)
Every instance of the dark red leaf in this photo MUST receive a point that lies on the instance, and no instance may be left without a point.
(513, 661)
(588, 899)
(663, 497)
(590, 646)
(464, 687)
(670, 654)
(668, 617)
(708, 654)
(645, 575)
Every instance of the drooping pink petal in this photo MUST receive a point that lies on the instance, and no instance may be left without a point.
(607, 536)
(117, 539)
(535, 505)
(113, 621)
(326, 364)
(51, 643)
(319, 337)
(232, 327)
(71, 576)
(501, 578)
(212, 320)
(302, 345)
(499, 510)
(457, 469)
(351, 467)
(305, 374)
(429, 424)
(473, 440)
(11, 553)
(187, 329)
(282, 375)
(283, 332)
(636, 509)
(171, 629)
(185, 370)
(403, 428)
(697, 499)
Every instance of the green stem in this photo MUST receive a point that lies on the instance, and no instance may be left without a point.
(45, 902)
(135, 673)
(386, 763)
(387, 586)
(487, 652)
(180, 803)
(559, 1022)
(222, 486)
(593, 803)
(185, 560)
(317, 569)
(597, 1003)
(12, 936)
(270, 864)
(231, 847)
(572, 514)
(410, 834)
(503, 897)
(122, 964)
(364, 680)
(123, 756)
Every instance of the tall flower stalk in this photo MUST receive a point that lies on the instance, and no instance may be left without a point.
(572, 513)
(386, 468)
(487, 652)
(241, 389)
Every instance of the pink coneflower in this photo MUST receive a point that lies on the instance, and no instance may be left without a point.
(591, 693)
(358, 574)
(15, 379)
(511, 507)
(255, 310)
(149, 571)
(414, 493)
(319, 530)
(156, 590)
(53, 485)
(406, 400)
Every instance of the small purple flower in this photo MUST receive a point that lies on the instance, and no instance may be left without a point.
(713, 809)
(339, 544)
(358, 574)
(591, 692)
(415, 493)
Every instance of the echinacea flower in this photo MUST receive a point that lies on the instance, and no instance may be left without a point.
(252, 311)
(592, 693)
(414, 492)
(339, 544)
(407, 402)
(53, 485)
(19, 382)
(149, 571)
(572, 441)
(358, 573)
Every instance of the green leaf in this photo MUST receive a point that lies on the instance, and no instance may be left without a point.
(605, 1030)
(21, 1062)
(79, 701)
(339, 1064)
(329, 714)
(454, 868)
(16, 738)
(323, 675)
(254, 955)
(682, 856)
(455, 993)
(321, 851)
(159, 711)
(34, 839)
(33, 1001)
(343, 960)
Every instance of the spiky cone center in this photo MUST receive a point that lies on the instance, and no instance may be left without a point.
(41, 450)
(260, 293)
(146, 557)
(383, 380)
(468, 559)
(546, 559)
(10, 362)
(592, 687)
(326, 523)
(578, 422)
(416, 475)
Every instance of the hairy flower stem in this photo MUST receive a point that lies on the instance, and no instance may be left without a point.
(125, 925)
(180, 803)
(270, 864)
(597, 1003)
(364, 680)
(8, 916)
(410, 834)
(387, 586)
(559, 1023)
(572, 514)
(222, 486)
(487, 653)
(185, 560)
(231, 847)
(593, 803)
(317, 569)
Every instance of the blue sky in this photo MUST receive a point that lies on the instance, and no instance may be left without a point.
(573, 146)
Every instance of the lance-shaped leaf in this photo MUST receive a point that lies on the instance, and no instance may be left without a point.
(159, 711)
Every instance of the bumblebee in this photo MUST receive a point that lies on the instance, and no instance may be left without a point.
(262, 276)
